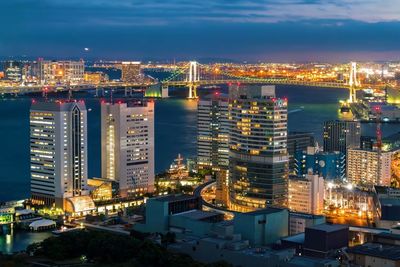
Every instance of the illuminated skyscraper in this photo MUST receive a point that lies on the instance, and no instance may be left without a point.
(258, 159)
(127, 143)
(131, 71)
(58, 137)
(341, 135)
(213, 130)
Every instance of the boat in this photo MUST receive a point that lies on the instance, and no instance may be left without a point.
(344, 107)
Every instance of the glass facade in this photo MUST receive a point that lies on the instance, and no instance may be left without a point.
(258, 159)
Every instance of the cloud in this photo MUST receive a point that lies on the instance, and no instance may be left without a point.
(163, 12)
(260, 11)
(253, 29)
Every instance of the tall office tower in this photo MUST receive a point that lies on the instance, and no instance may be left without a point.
(258, 159)
(213, 130)
(341, 135)
(127, 145)
(306, 194)
(297, 141)
(131, 71)
(58, 137)
(13, 71)
(365, 167)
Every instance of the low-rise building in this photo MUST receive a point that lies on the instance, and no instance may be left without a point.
(159, 209)
(324, 239)
(95, 77)
(306, 194)
(262, 227)
(299, 221)
(384, 250)
(386, 202)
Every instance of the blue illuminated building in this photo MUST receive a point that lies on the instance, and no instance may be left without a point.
(330, 165)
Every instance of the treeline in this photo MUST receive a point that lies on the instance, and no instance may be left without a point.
(105, 249)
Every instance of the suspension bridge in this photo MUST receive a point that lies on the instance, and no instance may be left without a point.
(193, 75)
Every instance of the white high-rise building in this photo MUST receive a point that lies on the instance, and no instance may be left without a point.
(58, 137)
(366, 167)
(306, 194)
(127, 142)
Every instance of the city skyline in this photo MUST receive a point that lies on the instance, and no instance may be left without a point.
(280, 30)
(206, 133)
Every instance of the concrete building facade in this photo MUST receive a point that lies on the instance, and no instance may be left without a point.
(127, 145)
(213, 133)
(306, 194)
(58, 137)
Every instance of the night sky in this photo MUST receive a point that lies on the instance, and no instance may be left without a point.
(266, 30)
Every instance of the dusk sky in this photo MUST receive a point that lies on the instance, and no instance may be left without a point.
(266, 30)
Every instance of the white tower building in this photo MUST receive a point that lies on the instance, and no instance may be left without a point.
(58, 137)
(127, 143)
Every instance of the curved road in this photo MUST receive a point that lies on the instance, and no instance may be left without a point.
(197, 193)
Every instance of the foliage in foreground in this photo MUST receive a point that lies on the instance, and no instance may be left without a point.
(106, 249)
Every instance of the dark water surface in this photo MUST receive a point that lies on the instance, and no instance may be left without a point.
(175, 130)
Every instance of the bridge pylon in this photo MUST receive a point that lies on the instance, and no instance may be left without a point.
(353, 82)
(192, 78)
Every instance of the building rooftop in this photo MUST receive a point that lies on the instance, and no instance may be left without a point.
(381, 189)
(305, 215)
(173, 198)
(326, 227)
(386, 201)
(198, 215)
(265, 211)
(298, 239)
(383, 251)
(308, 261)
(57, 105)
(42, 223)
(388, 236)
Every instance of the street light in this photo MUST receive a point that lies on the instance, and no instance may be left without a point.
(349, 187)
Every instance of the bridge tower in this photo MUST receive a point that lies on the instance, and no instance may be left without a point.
(193, 77)
(353, 82)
